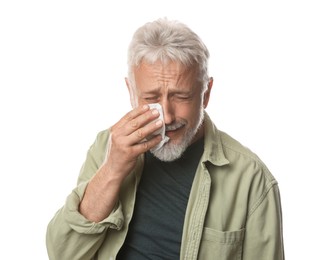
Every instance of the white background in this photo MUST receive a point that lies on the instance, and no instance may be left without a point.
(62, 69)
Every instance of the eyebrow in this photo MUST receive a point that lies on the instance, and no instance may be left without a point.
(173, 91)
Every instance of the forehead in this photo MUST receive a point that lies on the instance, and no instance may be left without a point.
(172, 73)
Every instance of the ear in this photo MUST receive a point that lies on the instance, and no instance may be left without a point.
(207, 93)
(132, 94)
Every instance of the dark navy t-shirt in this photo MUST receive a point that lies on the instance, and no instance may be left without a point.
(156, 228)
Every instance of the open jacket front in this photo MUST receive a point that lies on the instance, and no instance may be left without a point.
(233, 212)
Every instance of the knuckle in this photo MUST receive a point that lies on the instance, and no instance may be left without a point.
(139, 134)
(117, 141)
(129, 117)
(133, 123)
(145, 145)
(113, 135)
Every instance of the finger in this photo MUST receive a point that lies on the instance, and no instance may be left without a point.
(136, 130)
(131, 115)
(142, 133)
(141, 121)
(145, 146)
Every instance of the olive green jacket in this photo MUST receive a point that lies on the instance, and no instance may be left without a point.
(233, 212)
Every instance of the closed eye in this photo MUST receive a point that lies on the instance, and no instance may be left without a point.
(183, 97)
(151, 99)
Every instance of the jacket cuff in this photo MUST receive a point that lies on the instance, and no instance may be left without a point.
(82, 225)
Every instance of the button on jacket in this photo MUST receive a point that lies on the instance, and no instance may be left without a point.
(233, 212)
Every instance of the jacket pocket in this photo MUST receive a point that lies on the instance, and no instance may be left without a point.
(221, 245)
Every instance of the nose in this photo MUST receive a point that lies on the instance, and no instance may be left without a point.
(168, 111)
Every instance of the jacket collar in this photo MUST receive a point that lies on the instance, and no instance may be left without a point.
(213, 148)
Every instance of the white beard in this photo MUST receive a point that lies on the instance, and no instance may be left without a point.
(170, 151)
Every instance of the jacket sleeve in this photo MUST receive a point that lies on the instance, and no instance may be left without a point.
(69, 234)
(263, 235)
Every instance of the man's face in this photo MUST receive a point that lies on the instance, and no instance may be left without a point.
(178, 91)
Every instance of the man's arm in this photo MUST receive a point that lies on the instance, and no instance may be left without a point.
(79, 227)
(124, 147)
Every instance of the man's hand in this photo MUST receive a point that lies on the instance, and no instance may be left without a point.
(126, 143)
(128, 139)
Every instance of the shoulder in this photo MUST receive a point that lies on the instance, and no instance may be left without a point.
(232, 157)
(243, 157)
(245, 174)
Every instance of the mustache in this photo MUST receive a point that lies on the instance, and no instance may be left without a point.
(176, 125)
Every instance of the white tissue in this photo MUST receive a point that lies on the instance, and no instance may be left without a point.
(160, 131)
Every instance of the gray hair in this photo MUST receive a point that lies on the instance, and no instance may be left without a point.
(166, 40)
